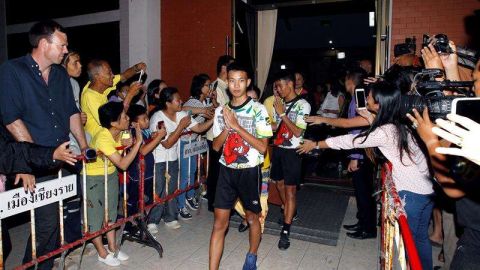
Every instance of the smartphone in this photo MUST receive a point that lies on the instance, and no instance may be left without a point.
(160, 125)
(468, 107)
(360, 98)
(141, 75)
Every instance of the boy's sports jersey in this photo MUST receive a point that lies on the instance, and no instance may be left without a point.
(284, 137)
(253, 117)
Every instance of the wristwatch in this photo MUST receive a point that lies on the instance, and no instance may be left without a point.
(317, 147)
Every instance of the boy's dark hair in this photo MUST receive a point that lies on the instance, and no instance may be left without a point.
(284, 75)
(235, 66)
(198, 81)
(166, 96)
(223, 60)
(134, 111)
(43, 29)
(356, 74)
(110, 112)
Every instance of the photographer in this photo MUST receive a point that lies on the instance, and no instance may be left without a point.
(454, 185)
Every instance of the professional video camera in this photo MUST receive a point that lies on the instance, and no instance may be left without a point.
(466, 57)
(408, 47)
(429, 93)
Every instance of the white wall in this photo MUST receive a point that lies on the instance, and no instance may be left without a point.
(140, 35)
(139, 32)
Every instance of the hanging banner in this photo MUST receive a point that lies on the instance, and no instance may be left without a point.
(17, 200)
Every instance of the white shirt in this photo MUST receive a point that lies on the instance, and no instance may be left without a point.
(330, 103)
(160, 153)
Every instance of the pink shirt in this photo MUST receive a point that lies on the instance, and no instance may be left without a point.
(407, 175)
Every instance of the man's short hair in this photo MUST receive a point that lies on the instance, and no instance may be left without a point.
(43, 29)
(237, 67)
(223, 60)
(285, 75)
(94, 67)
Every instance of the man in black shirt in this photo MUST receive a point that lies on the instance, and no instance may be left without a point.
(37, 105)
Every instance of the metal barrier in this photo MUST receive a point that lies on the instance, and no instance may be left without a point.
(397, 244)
(197, 147)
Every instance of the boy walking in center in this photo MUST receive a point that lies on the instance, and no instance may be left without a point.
(290, 112)
(242, 127)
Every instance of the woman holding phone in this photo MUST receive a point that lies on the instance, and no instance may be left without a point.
(398, 144)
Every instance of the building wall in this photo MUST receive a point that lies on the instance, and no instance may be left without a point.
(415, 18)
(192, 38)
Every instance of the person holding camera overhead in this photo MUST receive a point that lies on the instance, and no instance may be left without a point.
(455, 185)
(102, 82)
(398, 144)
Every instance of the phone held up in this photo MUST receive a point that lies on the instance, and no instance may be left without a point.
(360, 98)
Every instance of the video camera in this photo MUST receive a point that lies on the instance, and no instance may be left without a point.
(429, 93)
(408, 47)
(466, 57)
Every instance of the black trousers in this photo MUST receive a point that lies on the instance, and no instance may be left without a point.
(46, 229)
(363, 185)
(213, 170)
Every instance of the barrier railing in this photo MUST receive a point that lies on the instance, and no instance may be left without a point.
(195, 150)
(397, 245)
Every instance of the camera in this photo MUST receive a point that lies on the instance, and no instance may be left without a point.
(429, 93)
(466, 57)
(408, 47)
(90, 155)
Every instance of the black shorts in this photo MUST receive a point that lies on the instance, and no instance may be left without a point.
(239, 183)
(286, 165)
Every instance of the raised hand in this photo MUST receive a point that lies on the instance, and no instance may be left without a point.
(431, 57)
(230, 119)
(278, 105)
(466, 138)
(185, 122)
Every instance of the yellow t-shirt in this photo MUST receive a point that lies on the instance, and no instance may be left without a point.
(268, 103)
(91, 101)
(103, 141)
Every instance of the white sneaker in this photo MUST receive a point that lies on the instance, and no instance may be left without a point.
(109, 260)
(152, 228)
(122, 256)
(173, 224)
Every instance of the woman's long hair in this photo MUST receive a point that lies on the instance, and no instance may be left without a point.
(389, 97)
(165, 96)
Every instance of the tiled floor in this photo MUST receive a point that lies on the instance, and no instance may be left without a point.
(187, 249)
